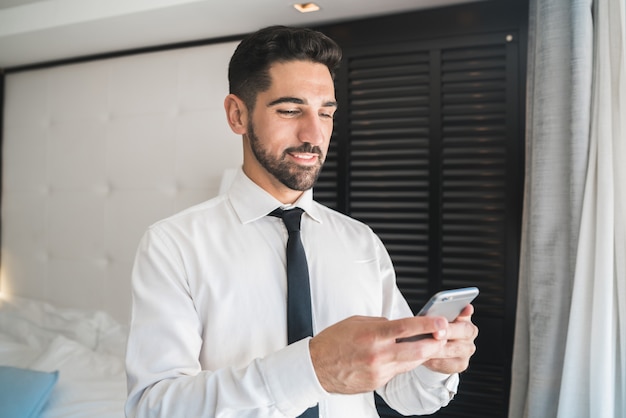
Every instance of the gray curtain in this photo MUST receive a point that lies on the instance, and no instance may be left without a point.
(560, 57)
(593, 383)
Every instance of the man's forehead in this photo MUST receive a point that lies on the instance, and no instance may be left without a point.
(297, 79)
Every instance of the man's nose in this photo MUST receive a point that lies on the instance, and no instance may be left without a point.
(313, 130)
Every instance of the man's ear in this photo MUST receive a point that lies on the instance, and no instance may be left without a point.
(236, 114)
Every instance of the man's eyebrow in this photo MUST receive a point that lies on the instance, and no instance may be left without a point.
(281, 100)
(296, 100)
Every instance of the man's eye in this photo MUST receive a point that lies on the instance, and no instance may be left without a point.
(288, 112)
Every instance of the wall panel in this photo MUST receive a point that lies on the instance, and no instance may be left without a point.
(93, 153)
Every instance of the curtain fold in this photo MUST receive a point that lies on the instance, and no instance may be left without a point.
(570, 343)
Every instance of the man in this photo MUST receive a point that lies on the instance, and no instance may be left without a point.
(208, 333)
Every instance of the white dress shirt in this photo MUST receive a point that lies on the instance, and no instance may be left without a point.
(208, 333)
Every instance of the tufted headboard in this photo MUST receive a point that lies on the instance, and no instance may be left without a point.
(95, 152)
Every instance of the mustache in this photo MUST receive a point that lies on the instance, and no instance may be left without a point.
(306, 148)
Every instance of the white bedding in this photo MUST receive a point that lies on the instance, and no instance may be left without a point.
(87, 348)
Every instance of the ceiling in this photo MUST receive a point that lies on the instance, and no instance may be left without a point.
(39, 31)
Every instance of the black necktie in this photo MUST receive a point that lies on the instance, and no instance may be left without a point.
(299, 317)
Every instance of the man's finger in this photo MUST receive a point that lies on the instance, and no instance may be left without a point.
(417, 325)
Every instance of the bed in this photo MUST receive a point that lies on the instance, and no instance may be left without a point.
(79, 356)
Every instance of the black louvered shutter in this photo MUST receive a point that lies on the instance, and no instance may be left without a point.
(426, 151)
(389, 164)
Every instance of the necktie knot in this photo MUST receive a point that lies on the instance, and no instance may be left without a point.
(291, 217)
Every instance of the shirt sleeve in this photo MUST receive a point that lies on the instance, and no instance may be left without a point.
(162, 361)
(420, 391)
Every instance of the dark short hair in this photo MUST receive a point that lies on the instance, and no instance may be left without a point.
(248, 71)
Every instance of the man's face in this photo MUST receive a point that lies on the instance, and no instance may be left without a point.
(289, 130)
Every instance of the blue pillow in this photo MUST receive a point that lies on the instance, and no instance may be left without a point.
(23, 393)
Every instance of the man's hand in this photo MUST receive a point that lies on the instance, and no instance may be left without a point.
(455, 354)
(360, 354)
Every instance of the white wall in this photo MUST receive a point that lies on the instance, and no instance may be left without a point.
(93, 154)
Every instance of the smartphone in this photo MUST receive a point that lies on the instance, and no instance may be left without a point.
(447, 303)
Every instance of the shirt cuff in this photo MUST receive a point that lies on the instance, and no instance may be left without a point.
(433, 379)
(291, 378)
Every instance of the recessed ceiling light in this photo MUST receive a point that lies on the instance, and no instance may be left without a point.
(306, 7)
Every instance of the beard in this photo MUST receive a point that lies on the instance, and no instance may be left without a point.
(292, 175)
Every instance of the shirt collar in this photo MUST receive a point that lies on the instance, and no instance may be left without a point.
(251, 202)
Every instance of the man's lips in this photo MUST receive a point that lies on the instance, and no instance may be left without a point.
(305, 158)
